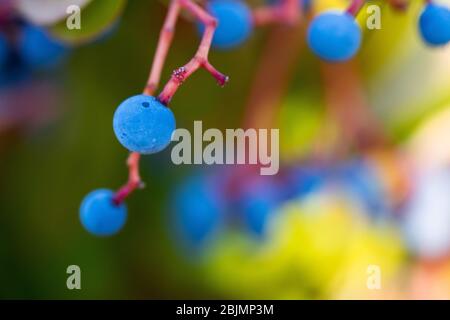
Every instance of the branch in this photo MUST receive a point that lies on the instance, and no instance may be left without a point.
(134, 179)
(178, 76)
(355, 7)
(165, 40)
(164, 43)
(275, 68)
(200, 60)
(347, 103)
(399, 4)
(288, 12)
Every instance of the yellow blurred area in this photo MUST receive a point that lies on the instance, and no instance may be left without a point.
(320, 248)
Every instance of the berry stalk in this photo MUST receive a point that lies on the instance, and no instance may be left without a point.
(162, 49)
(288, 12)
(134, 179)
(399, 4)
(200, 60)
(347, 103)
(355, 7)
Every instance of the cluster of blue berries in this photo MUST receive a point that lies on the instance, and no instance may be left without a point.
(204, 203)
(334, 36)
(27, 48)
(235, 21)
(144, 125)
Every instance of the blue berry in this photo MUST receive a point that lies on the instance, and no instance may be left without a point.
(359, 178)
(143, 124)
(198, 210)
(38, 50)
(3, 51)
(100, 215)
(305, 180)
(257, 203)
(13, 73)
(235, 23)
(334, 36)
(434, 24)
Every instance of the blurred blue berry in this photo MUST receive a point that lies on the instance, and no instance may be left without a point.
(434, 24)
(198, 210)
(39, 50)
(235, 23)
(334, 36)
(305, 180)
(13, 73)
(360, 180)
(3, 51)
(257, 204)
(100, 215)
(143, 124)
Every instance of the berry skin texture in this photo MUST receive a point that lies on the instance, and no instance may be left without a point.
(100, 216)
(235, 23)
(38, 50)
(3, 50)
(434, 25)
(334, 36)
(143, 124)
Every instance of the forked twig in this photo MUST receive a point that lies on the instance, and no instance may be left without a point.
(287, 12)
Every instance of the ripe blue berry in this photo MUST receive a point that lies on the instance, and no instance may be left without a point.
(100, 215)
(3, 50)
(334, 36)
(198, 210)
(235, 23)
(38, 49)
(434, 24)
(257, 204)
(143, 124)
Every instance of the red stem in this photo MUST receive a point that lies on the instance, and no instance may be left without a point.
(288, 12)
(134, 179)
(164, 43)
(200, 60)
(399, 4)
(355, 7)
